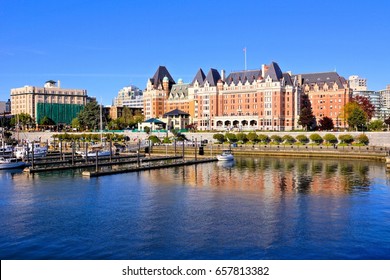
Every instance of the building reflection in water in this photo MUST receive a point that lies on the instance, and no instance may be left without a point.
(272, 176)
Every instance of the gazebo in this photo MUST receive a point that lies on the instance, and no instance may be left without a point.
(177, 119)
(153, 124)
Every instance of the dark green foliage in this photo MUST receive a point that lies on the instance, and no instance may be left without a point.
(362, 139)
(241, 136)
(288, 139)
(219, 137)
(231, 137)
(330, 138)
(47, 121)
(306, 117)
(302, 139)
(89, 117)
(357, 118)
(263, 138)
(376, 125)
(346, 138)
(316, 138)
(276, 139)
(154, 139)
(252, 136)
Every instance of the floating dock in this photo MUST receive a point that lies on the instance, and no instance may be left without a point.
(79, 164)
(147, 167)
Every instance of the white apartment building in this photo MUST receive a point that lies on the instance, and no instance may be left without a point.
(130, 96)
(357, 84)
(385, 102)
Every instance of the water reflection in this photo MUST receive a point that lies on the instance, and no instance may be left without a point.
(278, 175)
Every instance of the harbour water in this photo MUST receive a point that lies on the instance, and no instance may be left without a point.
(256, 208)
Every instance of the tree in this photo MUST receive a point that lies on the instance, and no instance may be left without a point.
(346, 138)
(231, 137)
(75, 123)
(22, 119)
(154, 139)
(357, 118)
(288, 139)
(219, 137)
(387, 122)
(47, 121)
(147, 129)
(115, 124)
(330, 138)
(89, 117)
(316, 138)
(376, 125)
(326, 123)
(252, 136)
(276, 139)
(302, 139)
(263, 138)
(166, 140)
(362, 139)
(306, 117)
(138, 117)
(191, 127)
(365, 104)
(241, 136)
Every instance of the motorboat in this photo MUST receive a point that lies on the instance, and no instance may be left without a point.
(91, 154)
(27, 150)
(10, 163)
(226, 155)
(6, 149)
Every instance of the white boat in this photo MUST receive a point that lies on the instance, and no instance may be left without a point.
(226, 155)
(26, 151)
(6, 149)
(10, 163)
(91, 154)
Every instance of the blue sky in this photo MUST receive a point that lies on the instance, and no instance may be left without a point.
(103, 46)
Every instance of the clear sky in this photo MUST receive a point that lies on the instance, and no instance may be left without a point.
(102, 46)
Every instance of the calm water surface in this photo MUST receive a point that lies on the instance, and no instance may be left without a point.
(258, 208)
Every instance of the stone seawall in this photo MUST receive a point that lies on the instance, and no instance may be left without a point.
(380, 139)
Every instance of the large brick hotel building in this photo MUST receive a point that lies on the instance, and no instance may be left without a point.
(265, 99)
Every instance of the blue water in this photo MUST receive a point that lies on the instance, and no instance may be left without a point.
(255, 209)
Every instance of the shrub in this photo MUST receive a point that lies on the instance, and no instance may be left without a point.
(154, 139)
(330, 138)
(219, 137)
(346, 138)
(263, 138)
(288, 139)
(241, 136)
(252, 136)
(231, 137)
(302, 138)
(166, 140)
(376, 125)
(362, 139)
(276, 139)
(316, 138)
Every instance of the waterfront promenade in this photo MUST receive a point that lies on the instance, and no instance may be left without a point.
(379, 139)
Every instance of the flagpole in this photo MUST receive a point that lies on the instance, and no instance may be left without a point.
(245, 57)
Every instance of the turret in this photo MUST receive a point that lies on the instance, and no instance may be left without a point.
(166, 86)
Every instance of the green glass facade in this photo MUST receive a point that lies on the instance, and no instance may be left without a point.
(59, 113)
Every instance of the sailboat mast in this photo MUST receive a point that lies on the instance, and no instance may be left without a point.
(101, 123)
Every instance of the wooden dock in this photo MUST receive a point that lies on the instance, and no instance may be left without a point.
(147, 167)
(102, 162)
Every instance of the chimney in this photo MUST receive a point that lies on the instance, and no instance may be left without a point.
(223, 75)
(58, 84)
